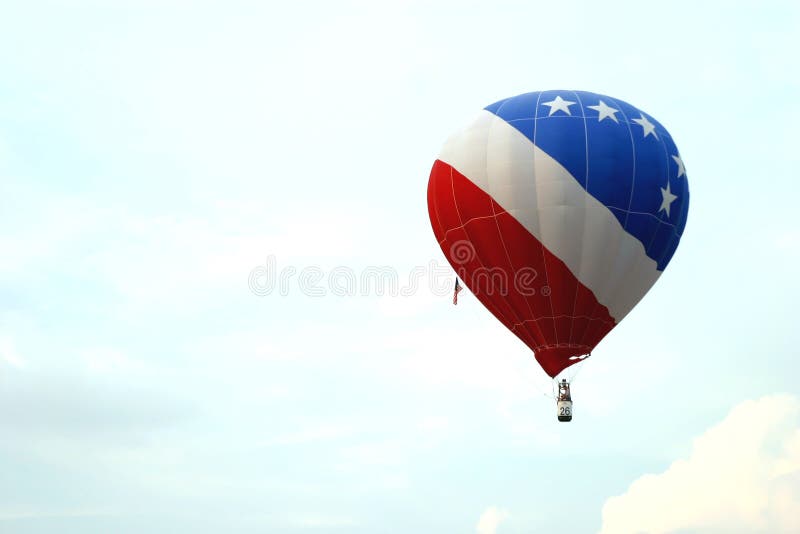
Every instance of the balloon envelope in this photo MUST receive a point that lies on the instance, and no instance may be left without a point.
(559, 210)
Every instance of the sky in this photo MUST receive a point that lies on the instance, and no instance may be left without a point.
(222, 307)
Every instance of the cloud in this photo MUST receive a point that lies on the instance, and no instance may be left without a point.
(742, 476)
(491, 519)
(93, 394)
(110, 361)
(788, 242)
(9, 354)
(325, 523)
(446, 356)
(45, 229)
(184, 256)
(325, 432)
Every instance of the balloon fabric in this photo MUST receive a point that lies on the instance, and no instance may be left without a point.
(559, 210)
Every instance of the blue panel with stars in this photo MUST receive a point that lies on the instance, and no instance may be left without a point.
(560, 127)
(621, 156)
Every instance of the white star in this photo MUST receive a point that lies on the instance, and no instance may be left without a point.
(667, 198)
(649, 127)
(604, 111)
(681, 168)
(559, 104)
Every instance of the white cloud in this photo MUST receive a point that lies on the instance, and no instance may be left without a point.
(184, 256)
(325, 523)
(465, 355)
(434, 423)
(9, 354)
(29, 512)
(335, 52)
(391, 452)
(469, 351)
(44, 230)
(742, 476)
(490, 519)
(788, 242)
(325, 432)
(620, 355)
(108, 361)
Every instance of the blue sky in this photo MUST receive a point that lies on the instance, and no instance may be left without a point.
(152, 154)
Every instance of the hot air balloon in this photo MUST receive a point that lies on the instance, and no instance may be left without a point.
(559, 210)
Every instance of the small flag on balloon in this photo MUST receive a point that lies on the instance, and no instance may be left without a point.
(456, 291)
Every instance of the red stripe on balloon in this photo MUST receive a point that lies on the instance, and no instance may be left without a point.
(530, 290)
